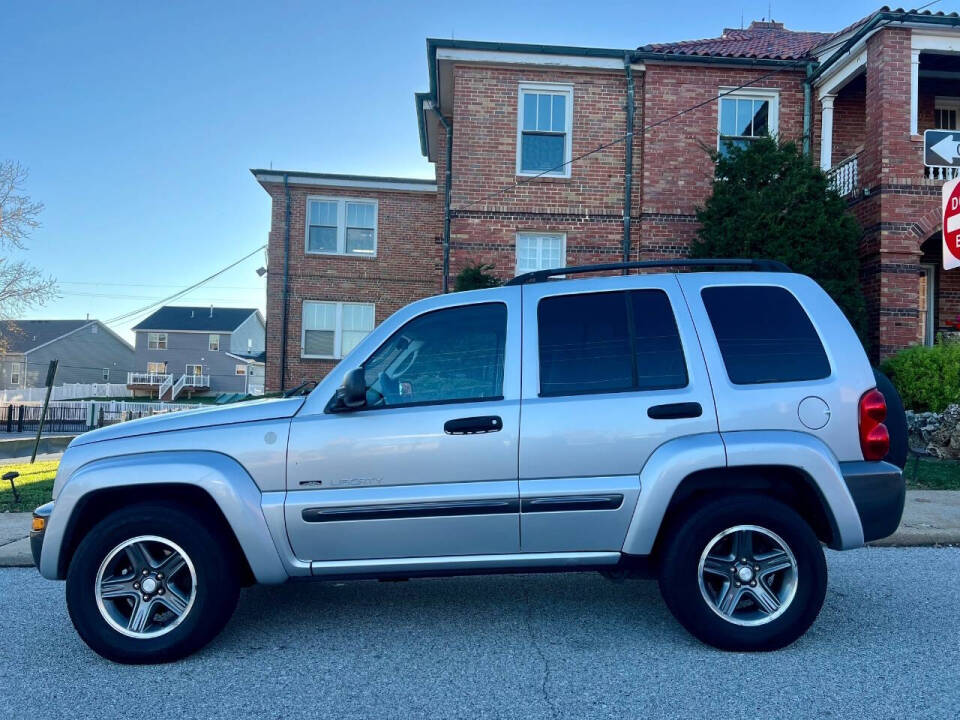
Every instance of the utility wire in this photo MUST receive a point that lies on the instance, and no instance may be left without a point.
(181, 293)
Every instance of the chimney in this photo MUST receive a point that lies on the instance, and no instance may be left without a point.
(191, 314)
(211, 311)
(766, 25)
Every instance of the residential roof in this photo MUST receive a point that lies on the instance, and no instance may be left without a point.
(257, 357)
(886, 9)
(340, 180)
(763, 39)
(20, 336)
(200, 319)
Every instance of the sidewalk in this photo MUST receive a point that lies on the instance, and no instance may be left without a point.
(930, 517)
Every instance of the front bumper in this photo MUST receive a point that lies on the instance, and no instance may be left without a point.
(36, 536)
(878, 491)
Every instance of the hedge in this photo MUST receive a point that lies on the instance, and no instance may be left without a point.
(927, 378)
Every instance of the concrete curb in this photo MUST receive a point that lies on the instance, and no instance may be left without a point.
(23, 446)
(930, 518)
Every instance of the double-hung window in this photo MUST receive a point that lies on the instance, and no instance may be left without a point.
(540, 251)
(341, 226)
(946, 112)
(746, 115)
(213, 343)
(333, 329)
(15, 373)
(544, 123)
(157, 341)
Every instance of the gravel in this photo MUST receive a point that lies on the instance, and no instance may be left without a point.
(531, 646)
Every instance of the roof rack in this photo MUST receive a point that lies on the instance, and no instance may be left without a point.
(538, 276)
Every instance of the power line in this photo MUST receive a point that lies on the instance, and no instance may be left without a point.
(181, 293)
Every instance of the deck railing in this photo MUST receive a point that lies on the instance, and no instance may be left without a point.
(147, 378)
(845, 175)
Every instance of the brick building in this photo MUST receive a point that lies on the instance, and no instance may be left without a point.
(346, 251)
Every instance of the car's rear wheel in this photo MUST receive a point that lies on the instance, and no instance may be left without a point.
(151, 583)
(744, 573)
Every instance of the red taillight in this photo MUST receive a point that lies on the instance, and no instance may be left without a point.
(874, 438)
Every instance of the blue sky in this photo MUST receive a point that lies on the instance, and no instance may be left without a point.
(139, 121)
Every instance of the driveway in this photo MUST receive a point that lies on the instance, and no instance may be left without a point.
(534, 646)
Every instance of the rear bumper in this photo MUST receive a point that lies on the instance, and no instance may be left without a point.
(878, 491)
(36, 536)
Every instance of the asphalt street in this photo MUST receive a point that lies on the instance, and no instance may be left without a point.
(887, 645)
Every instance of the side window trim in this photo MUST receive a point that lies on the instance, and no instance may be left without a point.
(502, 352)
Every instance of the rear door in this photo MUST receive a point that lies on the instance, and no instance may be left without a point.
(611, 371)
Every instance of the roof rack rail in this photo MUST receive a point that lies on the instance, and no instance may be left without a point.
(538, 276)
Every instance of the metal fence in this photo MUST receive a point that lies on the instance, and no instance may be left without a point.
(80, 416)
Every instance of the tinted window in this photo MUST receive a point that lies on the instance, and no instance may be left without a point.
(609, 342)
(659, 354)
(764, 335)
(443, 356)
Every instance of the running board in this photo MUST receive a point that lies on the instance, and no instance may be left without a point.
(462, 563)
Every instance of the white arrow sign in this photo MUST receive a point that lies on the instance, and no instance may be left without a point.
(948, 149)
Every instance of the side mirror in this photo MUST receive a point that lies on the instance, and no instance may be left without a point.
(353, 394)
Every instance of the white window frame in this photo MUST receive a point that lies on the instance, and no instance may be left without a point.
(770, 94)
(187, 366)
(210, 342)
(342, 225)
(533, 234)
(338, 329)
(106, 375)
(154, 340)
(16, 371)
(240, 369)
(156, 363)
(554, 89)
(945, 102)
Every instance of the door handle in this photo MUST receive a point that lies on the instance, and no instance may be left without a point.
(473, 425)
(675, 411)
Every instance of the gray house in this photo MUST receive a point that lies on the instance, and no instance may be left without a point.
(88, 352)
(187, 351)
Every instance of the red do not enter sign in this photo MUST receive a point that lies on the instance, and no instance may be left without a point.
(951, 224)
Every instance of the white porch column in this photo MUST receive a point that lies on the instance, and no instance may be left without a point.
(914, 89)
(826, 131)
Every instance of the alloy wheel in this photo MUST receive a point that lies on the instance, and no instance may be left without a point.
(146, 586)
(748, 575)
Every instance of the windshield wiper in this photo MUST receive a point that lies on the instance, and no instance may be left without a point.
(299, 389)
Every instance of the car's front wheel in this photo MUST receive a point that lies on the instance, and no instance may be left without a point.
(744, 573)
(151, 583)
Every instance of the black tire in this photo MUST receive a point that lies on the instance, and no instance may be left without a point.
(679, 572)
(896, 421)
(217, 584)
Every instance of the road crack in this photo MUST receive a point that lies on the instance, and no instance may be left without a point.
(547, 668)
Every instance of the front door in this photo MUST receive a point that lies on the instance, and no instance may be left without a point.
(612, 370)
(429, 466)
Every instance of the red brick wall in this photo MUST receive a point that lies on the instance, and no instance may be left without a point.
(588, 206)
(406, 268)
(849, 119)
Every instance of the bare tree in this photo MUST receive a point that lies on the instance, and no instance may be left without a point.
(22, 286)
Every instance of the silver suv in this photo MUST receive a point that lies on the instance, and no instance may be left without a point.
(713, 428)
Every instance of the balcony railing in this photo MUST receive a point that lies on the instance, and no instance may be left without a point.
(845, 175)
(941, 173)
(196, 380)
(147, 378)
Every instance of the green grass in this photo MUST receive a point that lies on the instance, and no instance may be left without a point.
(933, 474)
(34, 485)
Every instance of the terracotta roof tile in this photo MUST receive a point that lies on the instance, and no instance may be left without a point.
(767, 40)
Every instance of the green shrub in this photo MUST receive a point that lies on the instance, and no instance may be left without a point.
(476, 276)
(928, 378)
